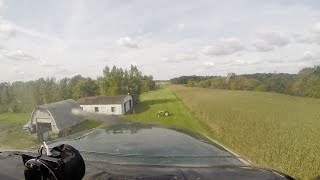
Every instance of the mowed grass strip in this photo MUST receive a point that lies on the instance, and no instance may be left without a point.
(12, 136)
(276, 130)
(164, 99)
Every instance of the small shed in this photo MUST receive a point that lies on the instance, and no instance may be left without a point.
(107, 104)
(55, 117)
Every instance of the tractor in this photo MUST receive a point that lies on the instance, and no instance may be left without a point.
(163, 113)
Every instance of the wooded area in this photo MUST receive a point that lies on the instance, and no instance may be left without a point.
(305, 83)
(24, 96)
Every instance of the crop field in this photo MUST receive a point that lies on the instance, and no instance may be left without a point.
(273, 130)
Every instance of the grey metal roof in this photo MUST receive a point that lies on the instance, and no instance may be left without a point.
(102, 100)
(62, 113)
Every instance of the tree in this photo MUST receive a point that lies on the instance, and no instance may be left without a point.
(118, 81)
(85, 87)
(134, 82)
(147, 83)
(5, 96)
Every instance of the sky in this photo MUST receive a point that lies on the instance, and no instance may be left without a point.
(166, 39)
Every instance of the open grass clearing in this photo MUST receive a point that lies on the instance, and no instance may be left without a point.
(164, 99)
(13, 137)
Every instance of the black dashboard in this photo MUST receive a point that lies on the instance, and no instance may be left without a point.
(12, 167)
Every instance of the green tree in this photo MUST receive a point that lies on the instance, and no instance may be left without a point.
(85, 87)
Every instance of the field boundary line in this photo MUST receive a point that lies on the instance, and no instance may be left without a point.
(245, 161)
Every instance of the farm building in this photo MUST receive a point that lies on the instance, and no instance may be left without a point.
(107, 104)
(54, 118)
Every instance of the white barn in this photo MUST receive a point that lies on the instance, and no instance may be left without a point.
(116, 105)
(56, 118)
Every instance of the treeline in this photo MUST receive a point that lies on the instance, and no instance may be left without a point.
(24, 96)
(305, 83)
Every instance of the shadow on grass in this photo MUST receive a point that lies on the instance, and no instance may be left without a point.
(145, 105)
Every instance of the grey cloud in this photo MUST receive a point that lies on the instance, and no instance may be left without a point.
(311, 37)
(51, 65)
(17, 55)
(263, 46)
(180, 58)
(127, 42)
(6, 30)
(209, 64)
(186, 57)
(169, 60)
(225, 46)
(309, 56)
(316, 27)
(180, 27)
(274, 38)
(275, 61)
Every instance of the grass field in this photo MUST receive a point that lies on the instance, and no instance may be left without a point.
(165, 99)
(12, 136)
(279, 131)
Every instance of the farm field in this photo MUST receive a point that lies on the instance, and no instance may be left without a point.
(275, 130)
(13, 137)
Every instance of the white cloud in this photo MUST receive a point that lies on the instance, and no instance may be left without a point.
(316, 27)
(262, 46)
(127, 42)
(311, 37)
(209, 64)
(169, 60)
(273, 38)
(224, 46)
(17, 55)
(6, 29)
(69, 34)
(310, 56)
(1, 5)
(180, 58)
(186, 57)
(180, 27)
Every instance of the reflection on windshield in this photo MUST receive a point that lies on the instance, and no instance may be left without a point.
(146, 144)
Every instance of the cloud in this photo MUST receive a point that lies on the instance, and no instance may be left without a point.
(44, 63)
(17, 55)
(180, 58)
(169, 60)
(209, 64)
(309, 56)
(1, 4)
(262, 46)
(308, 38)
(180, 27)
(186, 57)
(224, 46)
(127, 42)
(6, 29)
(316, 27)
(311, 37)
(273, 38)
